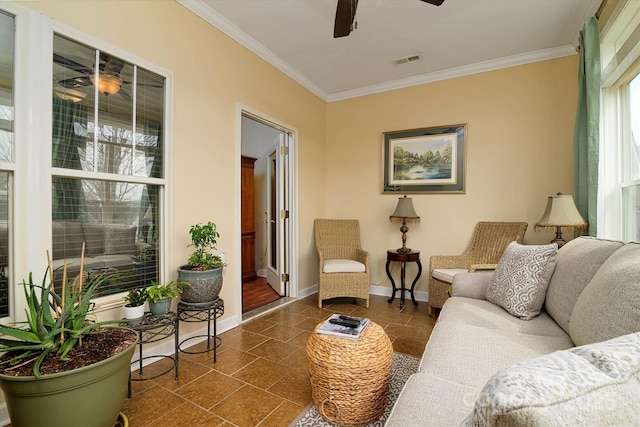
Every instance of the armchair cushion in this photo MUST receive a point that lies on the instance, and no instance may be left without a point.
(343, 266)
(447, 274)
(520, 282)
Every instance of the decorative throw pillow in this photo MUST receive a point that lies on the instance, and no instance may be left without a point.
(120, 240)
(596, 384)
(520, 281)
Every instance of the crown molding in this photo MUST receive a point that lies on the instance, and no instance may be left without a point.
(465, 70)
(200, 8)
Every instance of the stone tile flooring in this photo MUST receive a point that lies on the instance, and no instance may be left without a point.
(261, 378)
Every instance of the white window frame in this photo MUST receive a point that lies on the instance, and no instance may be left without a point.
(32, 170)
(620, 52)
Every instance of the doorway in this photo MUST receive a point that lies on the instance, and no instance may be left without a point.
(265, 231)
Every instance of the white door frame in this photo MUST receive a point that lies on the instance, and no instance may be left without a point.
(292, 179)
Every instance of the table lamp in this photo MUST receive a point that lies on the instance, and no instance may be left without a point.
(404, 212)
(561, 211)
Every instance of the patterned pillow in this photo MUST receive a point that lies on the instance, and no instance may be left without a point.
(596, 384)
(520, 281)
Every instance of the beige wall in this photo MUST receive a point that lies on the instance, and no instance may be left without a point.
(519, 151)
(213, 74)
(519, 143)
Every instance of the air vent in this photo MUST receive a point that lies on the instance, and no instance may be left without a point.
(407, 59)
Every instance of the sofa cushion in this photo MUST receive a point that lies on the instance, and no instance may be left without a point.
(469, 354)
(485, 314)
(471, 285)
(598, 384)
(120, 239)
(430, 400)
(520, 282)
(609, 306)
(94, 238)
(576, 264)
(67, 239)
(343, 266)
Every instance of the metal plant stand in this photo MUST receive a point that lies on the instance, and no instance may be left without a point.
(150, 329)
(202, 312)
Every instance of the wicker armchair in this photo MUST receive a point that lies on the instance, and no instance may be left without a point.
(343, 265)
(489, 241)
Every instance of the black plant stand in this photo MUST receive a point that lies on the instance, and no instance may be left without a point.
(151, 328)
(202, 312)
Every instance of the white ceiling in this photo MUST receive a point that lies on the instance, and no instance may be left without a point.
(458, 38)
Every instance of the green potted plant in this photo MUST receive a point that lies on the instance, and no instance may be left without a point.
(203, 269)
(135, 299)
(160, 296)
(54, 365)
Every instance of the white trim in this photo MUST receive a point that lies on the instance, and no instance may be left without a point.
(200, 8)
(293, 187)
(373, 290)
(465, 70)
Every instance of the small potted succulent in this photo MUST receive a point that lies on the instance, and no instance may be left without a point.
(203, 269)
(135, 298)
(160, 296)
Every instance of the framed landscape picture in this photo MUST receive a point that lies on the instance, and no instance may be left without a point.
(428, 160)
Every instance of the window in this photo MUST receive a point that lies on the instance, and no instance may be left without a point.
(7, 57)
(619, 186)
(107, 158)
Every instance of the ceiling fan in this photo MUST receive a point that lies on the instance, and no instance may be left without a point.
(346, 12)
(109, 82)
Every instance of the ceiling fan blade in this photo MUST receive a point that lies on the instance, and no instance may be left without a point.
(75, 82)
(345, 14)
(434, 2)
(71, 64)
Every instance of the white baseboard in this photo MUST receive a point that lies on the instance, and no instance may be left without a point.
(373, 289)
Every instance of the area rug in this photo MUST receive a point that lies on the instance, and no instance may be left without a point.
(401, 369)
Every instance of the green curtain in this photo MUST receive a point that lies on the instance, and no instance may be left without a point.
(587, 130)
(149, 200)
(68, 196)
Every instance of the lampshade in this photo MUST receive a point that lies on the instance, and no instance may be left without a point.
(404, 210)
(561, 211)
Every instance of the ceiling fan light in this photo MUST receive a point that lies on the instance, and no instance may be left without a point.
(107, 83)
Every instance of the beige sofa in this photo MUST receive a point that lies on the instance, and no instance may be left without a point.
(107, 246)
(483, 365)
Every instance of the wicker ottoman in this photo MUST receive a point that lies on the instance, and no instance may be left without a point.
(350, 378)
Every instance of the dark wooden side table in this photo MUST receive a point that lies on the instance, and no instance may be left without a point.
(202, 312)
(403, 257)
(150, 329)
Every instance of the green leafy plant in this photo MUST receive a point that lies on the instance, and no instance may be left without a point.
(204, 238)
(171, 289)
(136, 297)
(55, 322)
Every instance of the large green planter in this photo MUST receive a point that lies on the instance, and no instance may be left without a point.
(205, 285)
(86, 397)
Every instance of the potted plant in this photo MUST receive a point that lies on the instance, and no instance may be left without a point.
(160, 296)
(135, 298)
(55, 364)
(204, 269)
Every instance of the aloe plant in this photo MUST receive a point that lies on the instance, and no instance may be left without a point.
(55, 323)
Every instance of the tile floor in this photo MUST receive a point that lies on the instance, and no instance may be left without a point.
(261, 378)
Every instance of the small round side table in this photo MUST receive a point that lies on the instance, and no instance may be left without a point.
(395, 255)
(350, 378)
